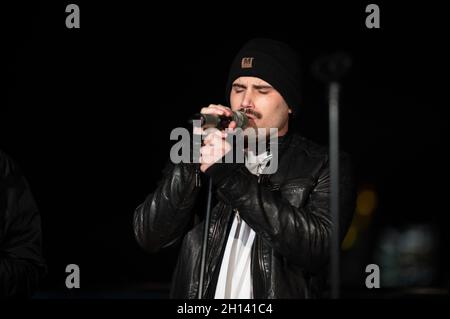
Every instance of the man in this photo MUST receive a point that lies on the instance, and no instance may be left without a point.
(21, 262)
(269, 234)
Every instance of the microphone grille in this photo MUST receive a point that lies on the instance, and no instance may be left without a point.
(241, 119)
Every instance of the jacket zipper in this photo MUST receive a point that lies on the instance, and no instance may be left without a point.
(198, 181)
(210, 241)
(262, 268)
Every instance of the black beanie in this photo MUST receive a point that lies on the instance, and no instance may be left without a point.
(272, 61)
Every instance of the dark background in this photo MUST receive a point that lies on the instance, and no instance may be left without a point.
(87, 114)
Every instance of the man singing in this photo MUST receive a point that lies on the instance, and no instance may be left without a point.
(269, 234)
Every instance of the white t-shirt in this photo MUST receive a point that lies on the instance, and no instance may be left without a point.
(235, 281)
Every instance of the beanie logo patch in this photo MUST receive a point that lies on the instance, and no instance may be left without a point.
(247, 63)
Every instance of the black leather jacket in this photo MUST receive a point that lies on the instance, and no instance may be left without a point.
(288, 210)
(21, 263)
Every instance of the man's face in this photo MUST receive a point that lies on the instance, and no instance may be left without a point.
(267, 108)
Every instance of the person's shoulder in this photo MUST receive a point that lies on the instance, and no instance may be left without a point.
(313, 149)
(299, 143)
(5, 162)
(7, 165)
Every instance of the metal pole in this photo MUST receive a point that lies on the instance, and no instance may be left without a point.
(334, 186)
(205, 241)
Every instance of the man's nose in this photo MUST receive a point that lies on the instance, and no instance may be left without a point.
(247, 100)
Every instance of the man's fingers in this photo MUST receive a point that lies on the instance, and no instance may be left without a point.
(210, 154)
(212, 110)
(217, 109)
(232, 125)
(227, 110)
(198, 130)
(206, 151)
(212, 140)
(214, 137)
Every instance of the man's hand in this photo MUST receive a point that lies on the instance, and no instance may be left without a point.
(215, 146)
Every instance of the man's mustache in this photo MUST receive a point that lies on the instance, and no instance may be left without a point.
(251, 112)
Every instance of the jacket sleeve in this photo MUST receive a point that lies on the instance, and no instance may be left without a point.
(165, 214)
(301, 234)
(21, 263)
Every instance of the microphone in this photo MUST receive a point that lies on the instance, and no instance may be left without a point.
(221, 122)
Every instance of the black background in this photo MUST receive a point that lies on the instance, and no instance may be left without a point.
(88, 112)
